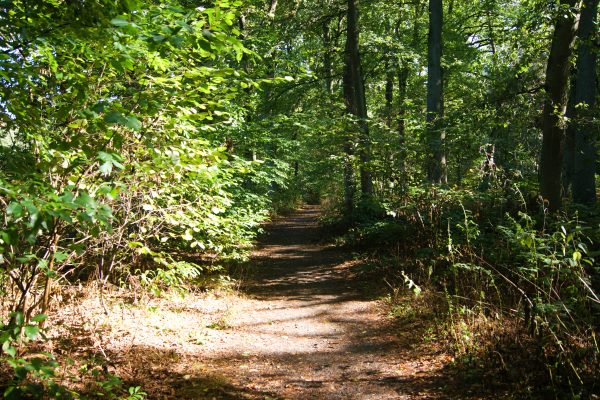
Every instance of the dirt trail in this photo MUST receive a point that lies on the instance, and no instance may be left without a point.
(303, 330)
(306, 332)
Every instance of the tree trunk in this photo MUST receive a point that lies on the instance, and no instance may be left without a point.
(327, 64)
(553, 123)
(402, 86)
(349, 184)
(584, 139)
(389, 92)
(349, 99)
(569, 145)
(354, 95)
(388, 171)
(435, 133)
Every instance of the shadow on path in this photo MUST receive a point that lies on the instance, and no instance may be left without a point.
(304, 331)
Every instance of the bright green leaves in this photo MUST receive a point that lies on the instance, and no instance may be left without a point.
(29, 220)
(132, 5)
(7, 348)
(26, 214)
(11, 334)
(109, 160)
(116, 118)
(15, 210)
(119, 117)
(34, 366)
(125, 25)
(39, 318)
(187, 236)
(31, 331)
(90, 213)
(154, 91)
(120, 22)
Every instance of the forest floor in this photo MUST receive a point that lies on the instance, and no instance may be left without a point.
(302, 326)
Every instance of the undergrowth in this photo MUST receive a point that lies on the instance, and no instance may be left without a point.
(30, 372)
(513, 289)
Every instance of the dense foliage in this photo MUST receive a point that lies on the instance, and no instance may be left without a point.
(146, 141)
(115, 121)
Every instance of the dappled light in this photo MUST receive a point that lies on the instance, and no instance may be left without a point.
(289, 199)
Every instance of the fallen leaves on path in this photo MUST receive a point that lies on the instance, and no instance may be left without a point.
(301, 328)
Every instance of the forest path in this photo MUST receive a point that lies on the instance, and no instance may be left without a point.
(307, 331)
(303, 327)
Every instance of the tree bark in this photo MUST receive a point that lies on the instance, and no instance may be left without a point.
(569, 145)
(349, 99)
(354, 95)
(435, 134)
(584, 139)
(389, 92)
(553, 123)
(402, 87)
(327, 63)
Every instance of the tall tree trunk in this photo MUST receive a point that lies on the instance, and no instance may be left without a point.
(349, 184)
(387, 173)
(354, 94)
(402, 86)
(553, 123)
(389, 92)
(350, 101)
(584, 139)
(327, 64)
(403, 71)
(435, 110)
(569, 145)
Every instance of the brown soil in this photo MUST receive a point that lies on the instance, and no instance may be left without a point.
(304, 328)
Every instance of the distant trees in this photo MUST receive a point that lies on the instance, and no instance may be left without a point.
(415, 116)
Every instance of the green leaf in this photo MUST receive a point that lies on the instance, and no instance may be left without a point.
(32, 331)
(106, 168)
(187, 235)
(99, 106)
(85, 200)
(5, 237)
(39, 318)
(60, 256)
(15, 209)
(110, 160)
(104, 156)
(133, 123)
(131, 5)
(126, 64)
(120, 22)
(114, 117)
(18, 318)
(7, 348)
